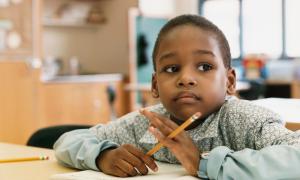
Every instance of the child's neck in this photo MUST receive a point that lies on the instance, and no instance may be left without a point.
(191, 126)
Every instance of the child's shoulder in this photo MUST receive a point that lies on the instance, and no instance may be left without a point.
(158, 108)
(247, 109)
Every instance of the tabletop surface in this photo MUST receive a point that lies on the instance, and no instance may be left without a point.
(30, 170)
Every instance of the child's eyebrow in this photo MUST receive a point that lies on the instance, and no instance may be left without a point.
(204, 52)
(198, 52)
(166, 56)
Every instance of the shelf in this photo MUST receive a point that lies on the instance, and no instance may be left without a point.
(75, 13)
(95, 78)
(61, 23)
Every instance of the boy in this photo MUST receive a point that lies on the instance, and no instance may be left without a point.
(192, 73)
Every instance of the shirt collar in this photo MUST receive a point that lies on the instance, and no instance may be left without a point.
(208, 129)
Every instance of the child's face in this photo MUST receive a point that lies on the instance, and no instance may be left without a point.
(190, 74)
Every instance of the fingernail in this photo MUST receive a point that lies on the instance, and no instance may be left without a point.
(197, 115)
(151, 128)
(141, 110)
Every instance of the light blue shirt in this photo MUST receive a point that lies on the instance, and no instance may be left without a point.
(246, 142)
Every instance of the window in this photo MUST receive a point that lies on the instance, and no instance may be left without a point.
(292, 28)
(225, 15)
(262, 27)
(257, 26)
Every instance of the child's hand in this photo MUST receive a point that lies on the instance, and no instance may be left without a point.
(125, 161)
(182, 146)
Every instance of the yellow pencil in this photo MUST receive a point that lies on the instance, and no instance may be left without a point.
(24, 159)
(175, 132)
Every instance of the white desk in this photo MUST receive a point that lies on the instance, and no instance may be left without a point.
(43, 170)
(287, 108)
(30, 170)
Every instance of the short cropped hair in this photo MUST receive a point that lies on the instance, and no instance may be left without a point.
(202, 23)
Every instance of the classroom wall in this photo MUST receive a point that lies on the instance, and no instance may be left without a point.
(103, 49)
(185, 6)
(168, 8)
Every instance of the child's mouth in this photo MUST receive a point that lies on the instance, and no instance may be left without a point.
(186, 97)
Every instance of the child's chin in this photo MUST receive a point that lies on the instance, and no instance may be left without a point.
(184, 115)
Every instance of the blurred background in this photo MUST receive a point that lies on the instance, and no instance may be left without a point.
(84, 62)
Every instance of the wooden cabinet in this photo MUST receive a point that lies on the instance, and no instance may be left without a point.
(27, 104)
(80, 102)
(17, 102)
(295, 89)
(20, 29)
(74, 103)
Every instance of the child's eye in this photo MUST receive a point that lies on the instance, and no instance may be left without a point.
(171, 69)
(205, 67)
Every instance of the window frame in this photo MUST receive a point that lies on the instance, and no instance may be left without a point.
(283, 55)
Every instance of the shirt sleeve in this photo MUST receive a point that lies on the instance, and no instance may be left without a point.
(272, 162)
(80, 148)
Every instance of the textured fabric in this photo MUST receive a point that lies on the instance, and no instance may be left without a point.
(80, 149)
(238, 124)
(270, 163)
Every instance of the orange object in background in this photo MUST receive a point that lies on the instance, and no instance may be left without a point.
(253, 66)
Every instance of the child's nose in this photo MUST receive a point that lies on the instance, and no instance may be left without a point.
(186, 80)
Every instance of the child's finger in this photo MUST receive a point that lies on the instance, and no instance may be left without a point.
(146, 159)
(133, 159)
(127, 168)
(162, 127)
(118, 172)
(157, 122)
(168, 142)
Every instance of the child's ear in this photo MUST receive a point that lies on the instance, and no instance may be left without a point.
(231, 82)
(154, 89)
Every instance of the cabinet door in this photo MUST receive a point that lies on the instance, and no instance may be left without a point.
(72, 103)
(17, 102)
(295, 89)
(19, 29)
